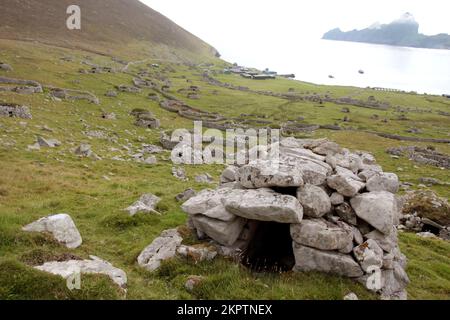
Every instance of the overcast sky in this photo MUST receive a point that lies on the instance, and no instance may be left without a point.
(234, 26)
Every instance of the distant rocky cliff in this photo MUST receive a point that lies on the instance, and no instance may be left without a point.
(401, 32)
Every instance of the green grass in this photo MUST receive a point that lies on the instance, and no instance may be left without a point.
(38, 183)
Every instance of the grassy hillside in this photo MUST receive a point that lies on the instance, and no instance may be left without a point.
(53, 180)
(127, 28)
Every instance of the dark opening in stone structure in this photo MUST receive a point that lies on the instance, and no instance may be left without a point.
(270, 248)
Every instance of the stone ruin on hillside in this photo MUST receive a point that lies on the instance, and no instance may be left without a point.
(12, 110)
(323, 209)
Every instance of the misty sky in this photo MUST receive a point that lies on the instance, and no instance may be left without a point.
(237, 26)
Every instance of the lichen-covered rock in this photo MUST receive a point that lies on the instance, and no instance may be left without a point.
(383, 181)
(197, 253)
(50, 143)
(369, 254)
(264, 205)
(224, 232)
(162, 248)
(386, 241)
(205, 200)
(346, 213)
(345, 182)
(309, 259)
(146, 203)
(315, 200)
(378, 208)
(229, 174)
(336, 198)
(186, 195)
(95, 265)
(264, 173)
(61, 226)
(321, 234)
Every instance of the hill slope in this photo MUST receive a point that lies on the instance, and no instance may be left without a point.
(105, 25)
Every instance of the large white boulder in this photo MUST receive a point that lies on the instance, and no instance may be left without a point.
(95, 265)
(61, 226)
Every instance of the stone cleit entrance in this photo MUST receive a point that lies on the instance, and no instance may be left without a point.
(269, 248)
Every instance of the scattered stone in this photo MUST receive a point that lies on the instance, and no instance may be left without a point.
(162, 248)
(95, 265)
(109, 115)
(146, 203)
(84, 150)
(197, 253)
(204, 178)
(50, 143)
(185, 195)
(427, 235)
(166, 141)
(61, 226)
(5, 67)
(179, 173)
(192, 282)
(111, 94)
(351, 296)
